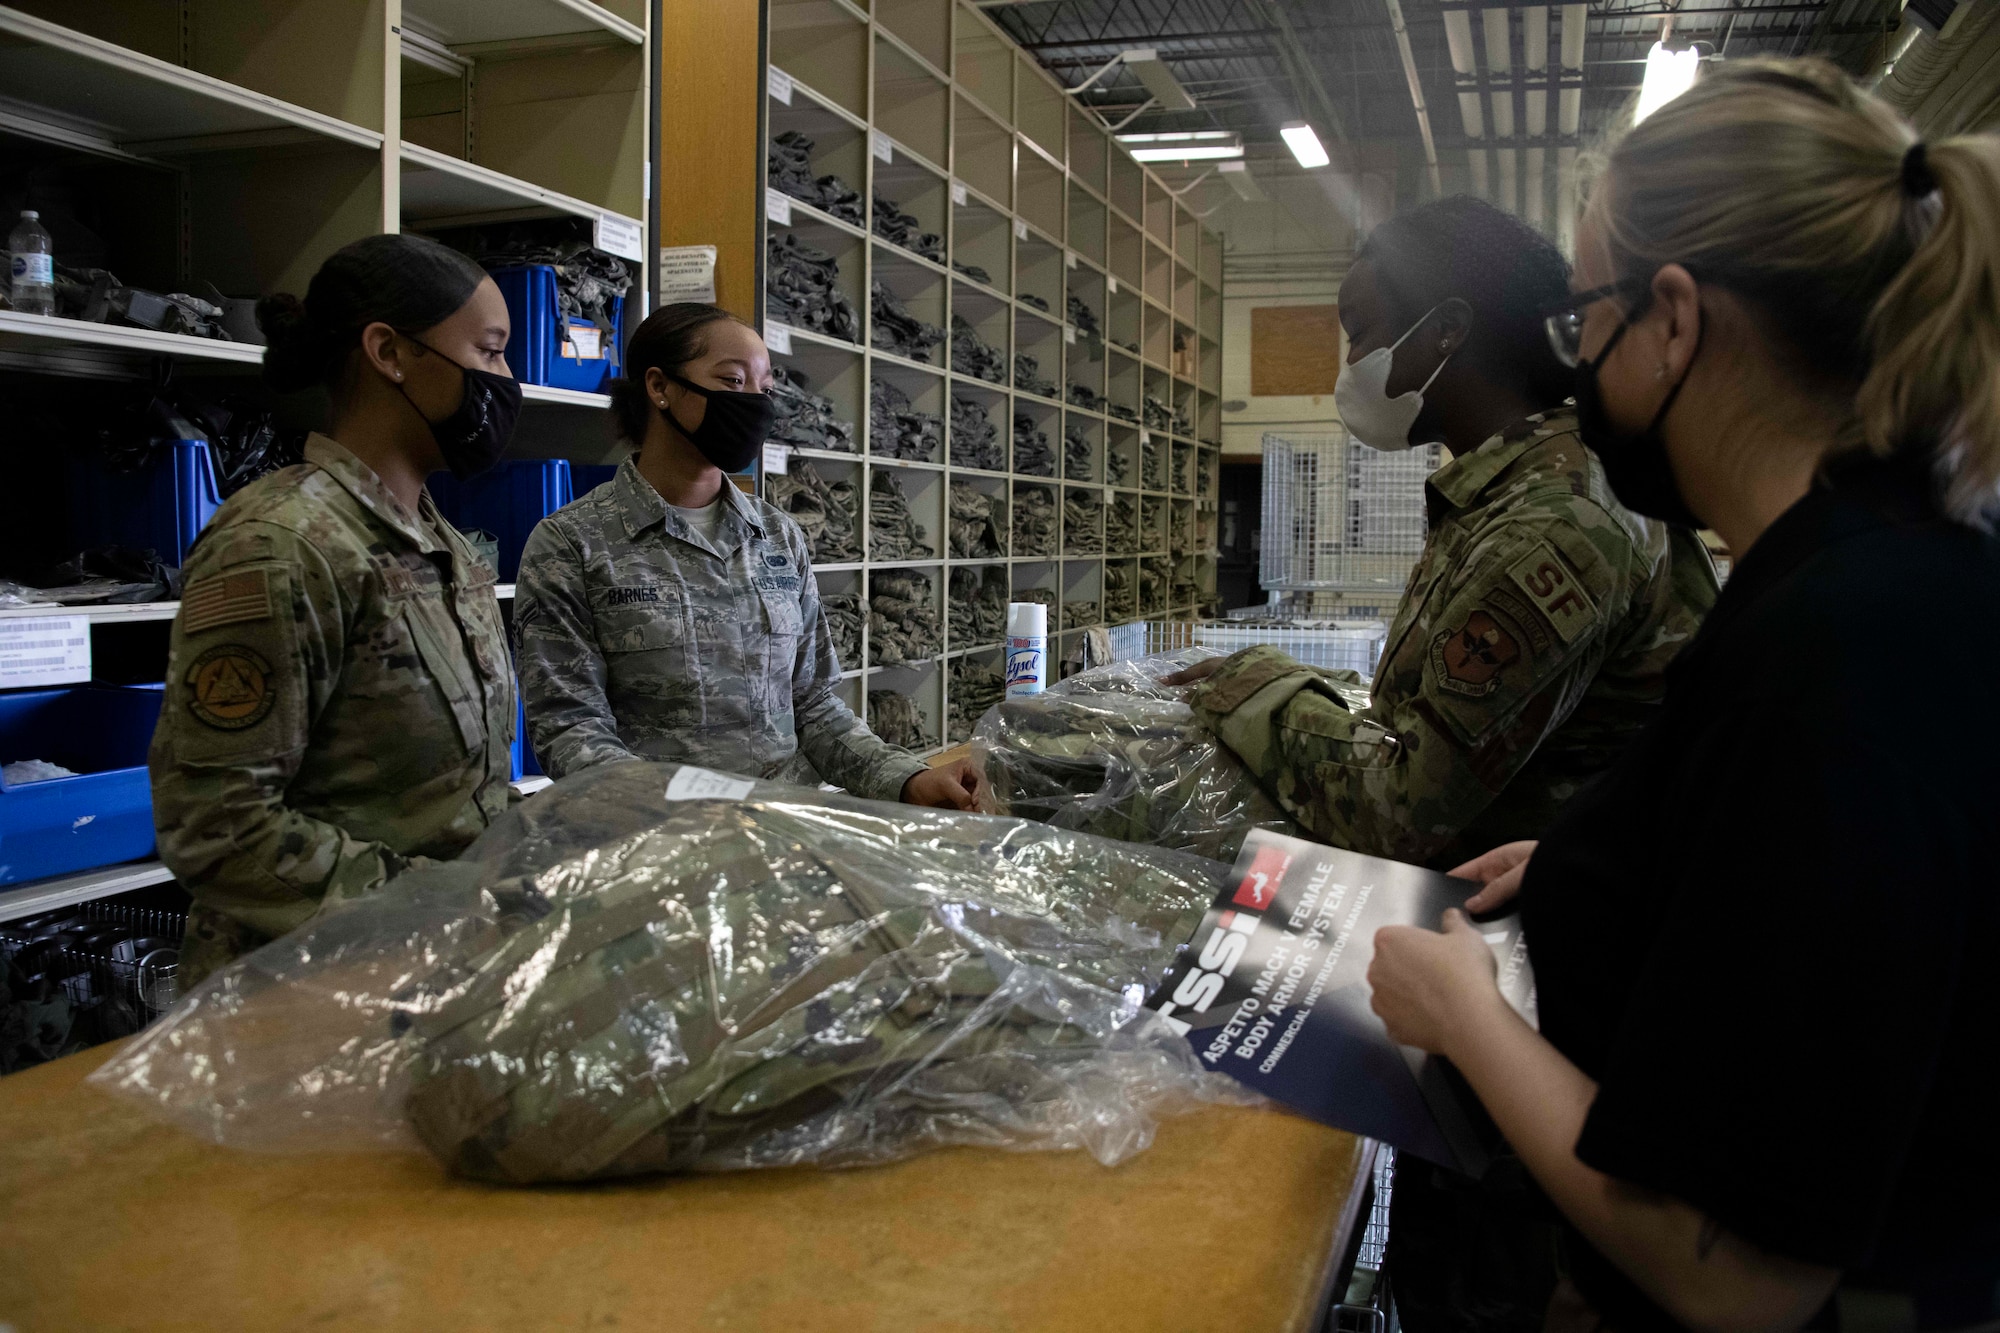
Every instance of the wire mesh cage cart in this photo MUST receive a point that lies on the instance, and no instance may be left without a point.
(117, 965)
(1343, 523)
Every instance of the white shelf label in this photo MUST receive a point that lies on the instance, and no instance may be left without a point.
(883, 148)
(687, 273)
(778, 207)
(1069, 333)
(1114, 284)
(1069, 259)
(585, 342)
(957, 193)
(778, 337)
(780, 85)
(1145, 437)
(44, 650)
(701, 784)
(1020, 230)
(621, 236)
(1107, 495)
(777, 459)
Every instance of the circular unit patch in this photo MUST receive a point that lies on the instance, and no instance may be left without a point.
(229, 688)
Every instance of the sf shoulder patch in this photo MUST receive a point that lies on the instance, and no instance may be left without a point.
(1469, 659)
(1555, 591)
(229, 688)
(226, 599)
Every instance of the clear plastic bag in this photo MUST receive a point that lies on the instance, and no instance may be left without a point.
(1116, 753)
(612, 982)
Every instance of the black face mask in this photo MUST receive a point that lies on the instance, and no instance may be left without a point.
(1636, 465)
(474, 436)
(733, 428)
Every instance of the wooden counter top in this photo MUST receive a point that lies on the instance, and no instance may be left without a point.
(1230, 1221)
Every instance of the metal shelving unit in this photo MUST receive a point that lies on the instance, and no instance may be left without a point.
(927, 105)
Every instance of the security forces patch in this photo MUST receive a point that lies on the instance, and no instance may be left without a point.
(1469, 660)
(229, 688)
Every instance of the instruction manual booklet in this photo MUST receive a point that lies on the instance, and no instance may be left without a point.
(1273, 990)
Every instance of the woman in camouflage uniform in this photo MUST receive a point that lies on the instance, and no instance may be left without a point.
(338, 700)
(670, 615)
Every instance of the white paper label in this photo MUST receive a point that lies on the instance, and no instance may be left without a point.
(1107, 495)
(1069, 333)
(883, 148)
(1145, 437)
(778, 337)
(780, 85)
(586, 342)
(778, 207)
(1069, 260)
(44, 650)
(701, 784)
(777, 459)
(957, 193)
(687, 273)
(1020, 230)
(621, 236)
(1113, 282)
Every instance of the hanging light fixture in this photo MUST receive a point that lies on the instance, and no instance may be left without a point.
(1191, 146)
(1305, 145)
(1668, 75)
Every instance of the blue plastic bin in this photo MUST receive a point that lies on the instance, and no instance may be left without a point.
(103, 815)
(524, 753)
(163, 507)
(540, 351)
(507, 502)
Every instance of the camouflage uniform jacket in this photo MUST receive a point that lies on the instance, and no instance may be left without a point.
(339, 703)
(1530, 648)
(640, 638)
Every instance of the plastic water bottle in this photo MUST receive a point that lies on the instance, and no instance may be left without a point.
(1027, 648)
(33, 270)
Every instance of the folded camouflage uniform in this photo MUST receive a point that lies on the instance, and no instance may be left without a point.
(975, 440)
(978, 521)
(973, 355)
(1154, 414)
(1180, 529)
(1122, 412)
(892, 533)
(1083, 516)
(802, 284)
(1076, 451)
(1076, 613)
(1121, 591)
(828, 513)
(896, 429)
(977, 608)
(903, 622)
(1032, 453)
(1028, 376)
(789, 170)
(844, 612)
(892, 224)
(973, 271)
(805, 418)
(1082, 395)
(894, 717)
(1117, 465)
(1115, 753)
(1034, 521)
(896, 329)
(974, 689)
(1029, 298)
(1083, 317)
(1152, 585)
(1152, 524)
(1153, 463)
(1121, 527)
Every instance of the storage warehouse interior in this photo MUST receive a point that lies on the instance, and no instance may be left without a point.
(1052, 297)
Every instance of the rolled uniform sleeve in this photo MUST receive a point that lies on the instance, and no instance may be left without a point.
(1496, 659)
(255, 651)
(838, 744)
(563, 676)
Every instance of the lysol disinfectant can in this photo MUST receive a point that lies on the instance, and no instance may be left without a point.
(1027, 648)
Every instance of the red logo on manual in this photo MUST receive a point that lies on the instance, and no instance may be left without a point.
(1260, 885)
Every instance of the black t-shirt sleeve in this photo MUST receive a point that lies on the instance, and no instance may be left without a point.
(1774, 1061)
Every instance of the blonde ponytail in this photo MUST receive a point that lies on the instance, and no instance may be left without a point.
(1785, 183)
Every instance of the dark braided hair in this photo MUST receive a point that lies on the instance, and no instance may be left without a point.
(407, 282)
(1509, 273)
(668, 339)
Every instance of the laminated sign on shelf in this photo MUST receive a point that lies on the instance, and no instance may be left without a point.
(778, 337)
(687, 273)
(1020, 230)
(778, 207)
(620, 236)
(1273, 991)
(780, 85)
(883, 148)
(957, 193)
(44, 650)
(777, 459)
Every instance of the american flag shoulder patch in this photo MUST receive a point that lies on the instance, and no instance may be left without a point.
(226, 599)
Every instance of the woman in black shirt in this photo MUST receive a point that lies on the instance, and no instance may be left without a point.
(1767, 1082)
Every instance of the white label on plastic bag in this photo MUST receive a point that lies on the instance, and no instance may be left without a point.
(621, 236)
(778, 207)
(44, 650)
(778, 337)
(1114, 284)
(780, 85)
(588, 341)
(701, 784)
(957, 193)
(1020, 230)
(687, 273)
(883, 148)
(777, 459)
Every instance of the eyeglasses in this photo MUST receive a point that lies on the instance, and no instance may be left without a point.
(1565, 326)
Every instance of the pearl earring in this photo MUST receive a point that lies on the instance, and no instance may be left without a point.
(1661, 373)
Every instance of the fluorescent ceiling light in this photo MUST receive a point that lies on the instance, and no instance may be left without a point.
(1176, 136)
(1200, 146)
(1237, 174)
(1188, 153)
(1305, 145)
(1668, 75)
(1159, 80)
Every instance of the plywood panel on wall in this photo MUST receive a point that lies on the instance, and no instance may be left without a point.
(711, 140)
(1294, 349)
